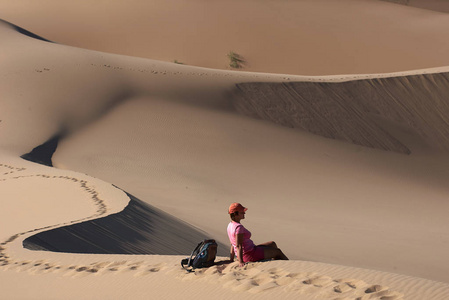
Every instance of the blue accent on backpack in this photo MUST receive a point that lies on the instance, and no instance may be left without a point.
(203, 256)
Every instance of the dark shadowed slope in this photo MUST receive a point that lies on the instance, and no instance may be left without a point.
(436, 5)
(25, 32)
(42, 154)
(138, 229)
(350, 111)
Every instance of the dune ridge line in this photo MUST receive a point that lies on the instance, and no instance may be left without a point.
(52, 90)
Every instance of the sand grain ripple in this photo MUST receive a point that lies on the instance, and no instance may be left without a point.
(349, 110)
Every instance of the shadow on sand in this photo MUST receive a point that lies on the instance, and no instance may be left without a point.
(139, 229)
(25, 32)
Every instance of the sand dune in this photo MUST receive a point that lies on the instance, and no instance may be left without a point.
(437, 5)
(359, 222)
(138, 229)
(253, 280)
(348, 110)
(288, 37)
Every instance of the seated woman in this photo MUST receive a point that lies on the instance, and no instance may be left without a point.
(241, 243)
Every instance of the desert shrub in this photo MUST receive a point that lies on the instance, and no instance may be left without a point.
(236, 61)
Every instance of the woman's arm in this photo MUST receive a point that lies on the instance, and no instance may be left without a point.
(239, 238)
(232, 254)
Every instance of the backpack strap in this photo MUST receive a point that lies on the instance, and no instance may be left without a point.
(189, 260)
(195, 252)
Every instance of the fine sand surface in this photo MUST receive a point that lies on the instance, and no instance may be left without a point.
(308, 37)
(436, 5)
(347, 173)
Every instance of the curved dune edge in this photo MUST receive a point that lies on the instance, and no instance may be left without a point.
(138, 229)
(260, 280)
(301, 33)
(93, 189)
(440, 6)
(264, 280)
(256, 278)
(332, 87)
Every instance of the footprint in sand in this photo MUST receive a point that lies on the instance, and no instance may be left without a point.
(8, 170)
(41, 268)
(132, 267)
(320, 281)
(83, 271)
(98, 267)
(76, 271)
(243, 285)
(147, 271)
(46, 268)
(290, 278)
(353, 283)
(254, 279)
(264, 287)
(380, 292)
(116, 266)
(343, 288)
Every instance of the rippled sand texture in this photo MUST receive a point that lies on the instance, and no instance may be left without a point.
(113, 167)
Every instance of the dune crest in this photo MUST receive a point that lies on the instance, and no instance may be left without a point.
(285, 37)
(349, 110)
(436, 5)
(180, 139)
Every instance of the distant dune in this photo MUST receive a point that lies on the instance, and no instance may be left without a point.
(347, 173)
(309, 37)
(350, 110)
(436, 5)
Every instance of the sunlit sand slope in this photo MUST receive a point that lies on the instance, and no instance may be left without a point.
(313, 37)
(172, 136)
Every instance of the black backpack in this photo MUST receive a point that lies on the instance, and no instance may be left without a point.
(203, 256)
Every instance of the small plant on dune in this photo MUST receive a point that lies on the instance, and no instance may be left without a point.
(178, 62)
(404, 2)
(236, 61)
